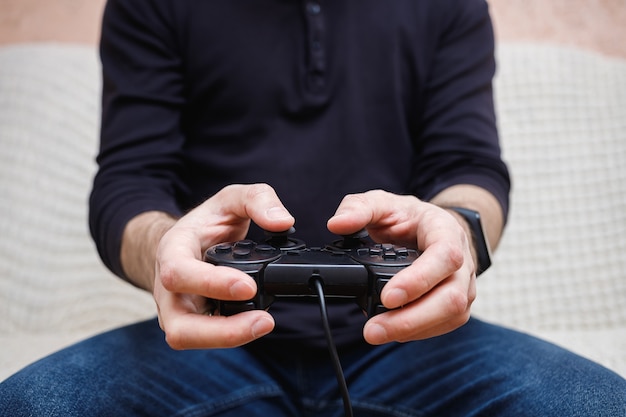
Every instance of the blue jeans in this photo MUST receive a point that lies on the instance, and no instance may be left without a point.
(480, 369)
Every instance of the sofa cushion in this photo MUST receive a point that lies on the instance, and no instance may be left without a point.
(559, 273)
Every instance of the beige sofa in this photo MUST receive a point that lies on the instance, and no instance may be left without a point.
(560, 272)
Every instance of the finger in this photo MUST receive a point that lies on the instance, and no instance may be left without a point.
(180, 269)
(444, 309)
(435, 264)
(183, 319)
(446, 250)
(388, 217)
(197, 331)
(258, 202)
(191, 276)
(353, 213)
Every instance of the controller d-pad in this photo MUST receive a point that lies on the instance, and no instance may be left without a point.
(386, 255)
(241, 253)
(244, 244)
(401, 251)
(265, 249)
(223, 248)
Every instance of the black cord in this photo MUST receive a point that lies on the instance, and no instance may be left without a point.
(341, 380)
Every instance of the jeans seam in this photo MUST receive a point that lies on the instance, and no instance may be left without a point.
(381, 409)
(230, 401)
(385, 410)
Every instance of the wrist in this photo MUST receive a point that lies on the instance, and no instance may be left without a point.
(140, 241)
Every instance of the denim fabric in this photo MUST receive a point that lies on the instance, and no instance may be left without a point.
(478, 370)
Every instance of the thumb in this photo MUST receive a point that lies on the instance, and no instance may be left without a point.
(260, 203)
(353, 214)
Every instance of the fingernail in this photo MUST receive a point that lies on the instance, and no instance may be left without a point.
(376, 333)
(396, 298)
(276, 213)
(261, 327)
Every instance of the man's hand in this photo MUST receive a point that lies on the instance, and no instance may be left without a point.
(437, 290)
(183, 281)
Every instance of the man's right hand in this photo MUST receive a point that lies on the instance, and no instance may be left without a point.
(182, 281)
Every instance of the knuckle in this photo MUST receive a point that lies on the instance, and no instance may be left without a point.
(403, 329)
(471, 296)
(458, 302)
(235, 337)
(174, 340)
(378, 193)
(168, 275)
(355, 199)
(259, 189)
(246, 192)
(173, 336)
(456, 255)
(226, 191)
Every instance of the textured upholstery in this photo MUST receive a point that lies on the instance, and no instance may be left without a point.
(560, 271)
(53, 288)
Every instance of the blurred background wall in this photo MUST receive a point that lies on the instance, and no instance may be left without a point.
(598, 25)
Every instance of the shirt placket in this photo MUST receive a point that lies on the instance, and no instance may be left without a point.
(316, 46)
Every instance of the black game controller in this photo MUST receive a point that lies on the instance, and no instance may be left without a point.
(352, 267)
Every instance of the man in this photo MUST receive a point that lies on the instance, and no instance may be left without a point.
(225, 118)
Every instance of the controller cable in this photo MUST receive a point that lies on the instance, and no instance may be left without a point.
(316, 282)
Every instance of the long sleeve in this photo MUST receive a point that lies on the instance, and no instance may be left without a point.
(458, 140)
(141, 141)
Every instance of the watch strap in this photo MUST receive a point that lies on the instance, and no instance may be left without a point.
(481, 245)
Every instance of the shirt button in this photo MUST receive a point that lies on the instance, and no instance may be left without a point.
(313, 8)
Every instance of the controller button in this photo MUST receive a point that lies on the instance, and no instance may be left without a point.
(401, 251)
(264, 248)
(234, 307)
(387, 247)
(389, 255)
(244, 244)
(363, 252)
(241, 253)
(380, 283)
(376, 251)
(379, 309)
(223, 248)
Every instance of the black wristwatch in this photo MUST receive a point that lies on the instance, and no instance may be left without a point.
(481, 245)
